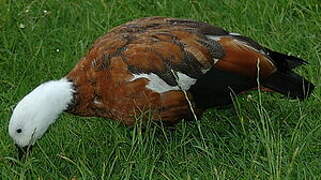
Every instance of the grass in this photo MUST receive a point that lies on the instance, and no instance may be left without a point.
(263, 137)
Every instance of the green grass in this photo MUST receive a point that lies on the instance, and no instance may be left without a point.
(264, 137)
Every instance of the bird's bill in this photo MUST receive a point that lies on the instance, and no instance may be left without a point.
(23, 151)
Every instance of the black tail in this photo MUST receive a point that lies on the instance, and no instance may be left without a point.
(285, 81)
(285, 62)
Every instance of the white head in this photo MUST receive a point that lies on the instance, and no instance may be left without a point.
(37, 110)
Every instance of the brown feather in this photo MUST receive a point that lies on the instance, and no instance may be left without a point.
(244, 60)
(103, 78)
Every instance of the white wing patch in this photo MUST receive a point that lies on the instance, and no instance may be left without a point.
(184, 81)
(157, 84)
(215, 38)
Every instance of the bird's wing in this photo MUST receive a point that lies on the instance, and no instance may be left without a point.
(157, 56)
(159, 45)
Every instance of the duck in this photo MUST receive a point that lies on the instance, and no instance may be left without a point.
(172, 68)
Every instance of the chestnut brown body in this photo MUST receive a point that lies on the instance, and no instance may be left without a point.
(218, 61)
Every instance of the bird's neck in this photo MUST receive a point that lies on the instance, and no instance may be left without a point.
(54, 96)
(62, 93)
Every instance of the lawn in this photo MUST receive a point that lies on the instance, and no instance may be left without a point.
(263, 136)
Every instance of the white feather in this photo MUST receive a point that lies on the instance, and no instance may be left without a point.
(37, 110)
(184, 81)
(157, 84)
(234, 34)
(215, 38)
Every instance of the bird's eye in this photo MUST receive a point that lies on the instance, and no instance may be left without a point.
(19, 130)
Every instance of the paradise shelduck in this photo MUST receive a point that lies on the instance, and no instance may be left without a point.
(166, 66)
